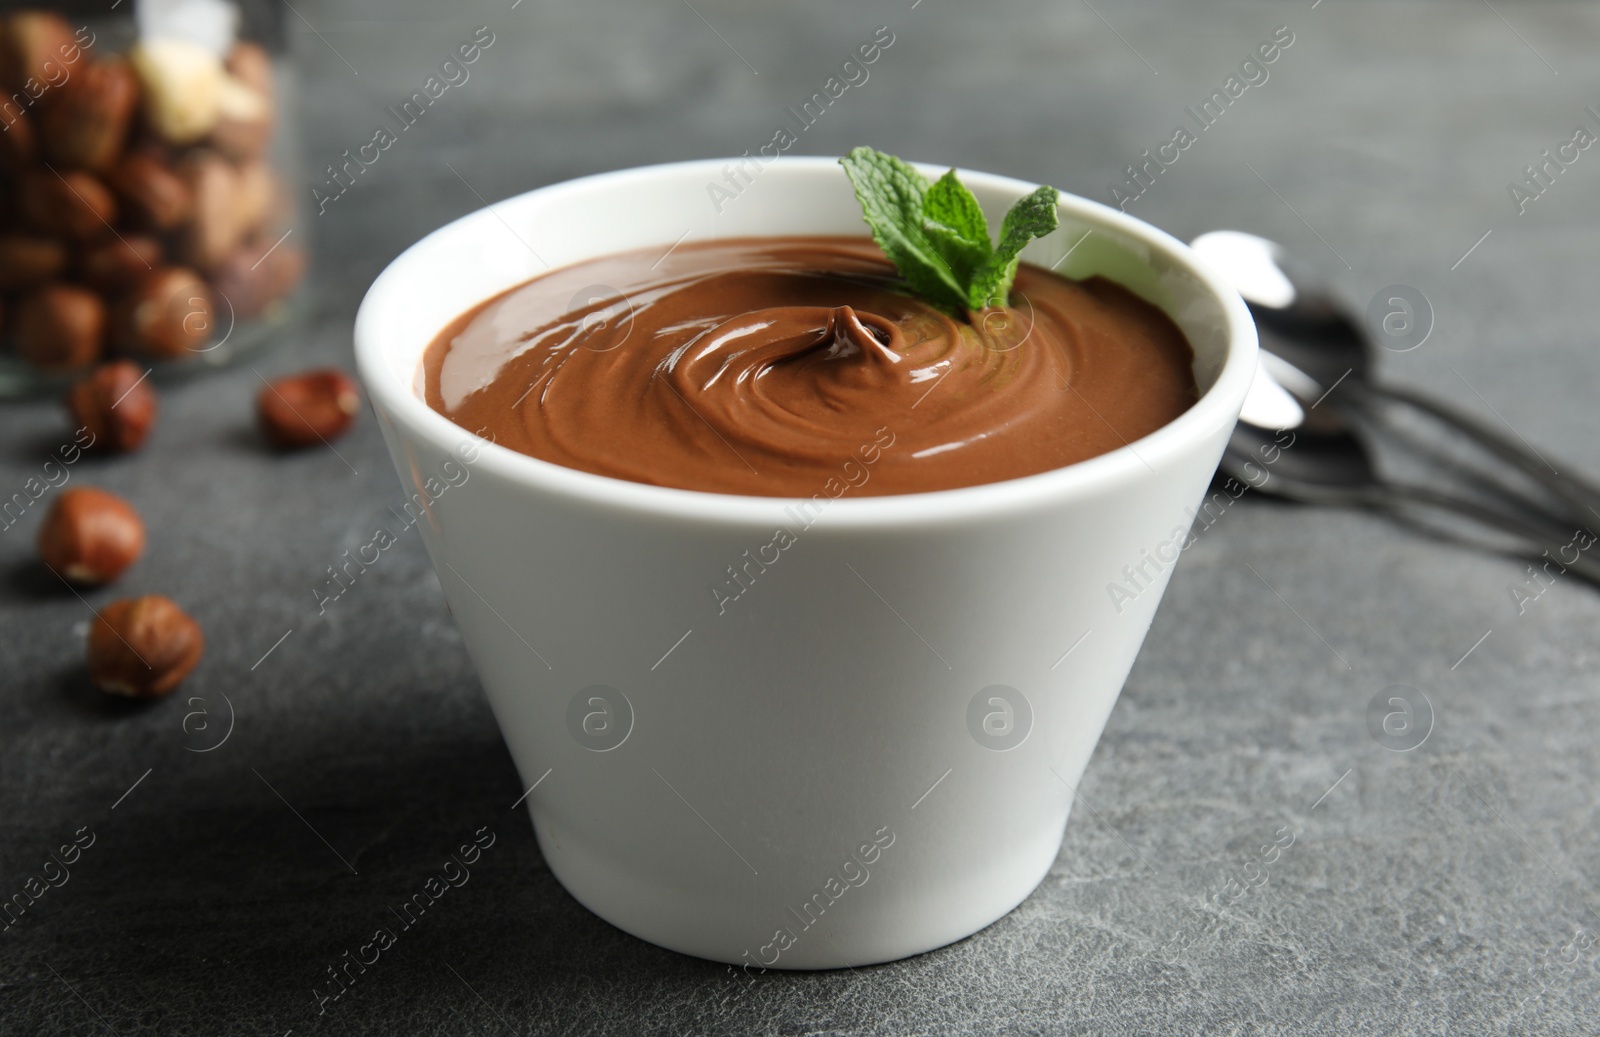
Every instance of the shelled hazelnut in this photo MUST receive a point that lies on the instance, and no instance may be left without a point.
(252, 66)
(71, 204)
(143, 647)
(87, 122)
(256, 198)
(19, 142)
(27, 260)
(115, 404)
(59, 327)
(118, 264)
(168, 315)
(259, 273)
(214, 228)
(153, 193)
(36, 47)
(90, 536)
(308, 408)
(244, 121)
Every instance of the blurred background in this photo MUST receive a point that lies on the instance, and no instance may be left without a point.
(1443, 888)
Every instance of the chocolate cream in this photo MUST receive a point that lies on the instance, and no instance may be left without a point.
(792, 366)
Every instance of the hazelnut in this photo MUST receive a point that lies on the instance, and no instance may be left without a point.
(143, 647)
(166, 317)
(87, 123)
(26, 260)
(119, 263)
(251, 64)
(71, 205)
(90, 536)
(154, 194)
(182, 87)
(214, 229)
(37, 49)
(19, 142)
(244, 121)
(259, 273)
(308, 408)
(256, 197)
(239, 140)
(59, 327)
(115, 404)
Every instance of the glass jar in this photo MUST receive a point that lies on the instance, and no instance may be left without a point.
(145, 210)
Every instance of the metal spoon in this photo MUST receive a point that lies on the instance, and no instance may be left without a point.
(1307, 327)
(1318, 459)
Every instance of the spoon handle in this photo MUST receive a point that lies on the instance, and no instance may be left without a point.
(1577, 492)
(1386, 495)
(1540, 543)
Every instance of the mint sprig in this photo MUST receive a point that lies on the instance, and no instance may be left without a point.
(935, 234)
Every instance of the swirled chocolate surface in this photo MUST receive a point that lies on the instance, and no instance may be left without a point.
(795, 366)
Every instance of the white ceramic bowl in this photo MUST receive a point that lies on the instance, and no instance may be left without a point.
(871, 751)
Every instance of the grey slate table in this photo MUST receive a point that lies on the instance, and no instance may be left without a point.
(1445, 889)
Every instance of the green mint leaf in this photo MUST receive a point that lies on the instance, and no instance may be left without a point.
(1031, 217)
(891, 194)
(948, 202)
(935, 234)
(955, 226)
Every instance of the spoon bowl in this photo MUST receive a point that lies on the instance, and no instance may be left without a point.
(1304, 325)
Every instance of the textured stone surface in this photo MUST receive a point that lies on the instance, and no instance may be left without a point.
(1445, 889)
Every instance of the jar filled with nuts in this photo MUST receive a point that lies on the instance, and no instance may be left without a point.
(143, 211)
